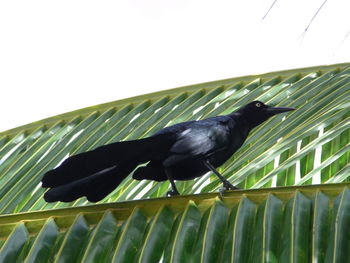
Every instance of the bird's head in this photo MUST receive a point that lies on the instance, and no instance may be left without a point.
(257, 112)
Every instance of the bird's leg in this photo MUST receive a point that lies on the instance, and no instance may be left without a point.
(227, 185)
(174, 190)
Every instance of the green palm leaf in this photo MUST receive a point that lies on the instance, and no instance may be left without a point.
(289, 224)
(281, 152)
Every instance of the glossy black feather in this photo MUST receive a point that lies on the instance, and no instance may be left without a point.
(178, 152)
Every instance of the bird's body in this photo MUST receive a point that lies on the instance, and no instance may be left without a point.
(191, 142)
(182, 151)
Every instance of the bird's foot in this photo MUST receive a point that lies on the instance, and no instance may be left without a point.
(226, 186)
(229, 186)
(172, 193)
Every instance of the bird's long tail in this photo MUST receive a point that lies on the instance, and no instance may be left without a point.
(96, 173)
(88, 163)
(95, 187)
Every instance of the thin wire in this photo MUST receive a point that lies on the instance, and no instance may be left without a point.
(268, 11)
(313, 18)
(341, 43)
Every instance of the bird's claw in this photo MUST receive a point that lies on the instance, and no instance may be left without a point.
(172, 193)
(221, 193)
(226, 186)
(229, 186)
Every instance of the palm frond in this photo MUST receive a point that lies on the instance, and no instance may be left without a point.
(287, 224)
(309, 146)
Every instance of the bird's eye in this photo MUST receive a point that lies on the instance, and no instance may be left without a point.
(258, 104)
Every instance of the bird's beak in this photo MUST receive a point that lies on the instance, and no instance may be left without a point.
(277, 110)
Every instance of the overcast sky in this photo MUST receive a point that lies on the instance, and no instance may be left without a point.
(58, 56)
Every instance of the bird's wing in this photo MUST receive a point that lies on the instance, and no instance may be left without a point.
(204, 137)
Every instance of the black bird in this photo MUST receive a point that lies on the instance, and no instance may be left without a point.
(182, 151)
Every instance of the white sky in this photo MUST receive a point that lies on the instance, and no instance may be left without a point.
(58, 56)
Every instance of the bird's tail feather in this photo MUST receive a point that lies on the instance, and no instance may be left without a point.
(88, 163)
(95, 187)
